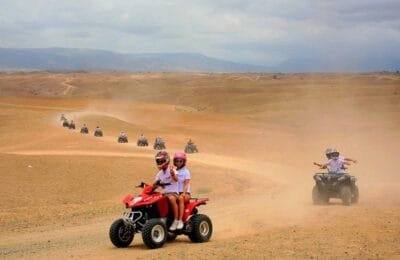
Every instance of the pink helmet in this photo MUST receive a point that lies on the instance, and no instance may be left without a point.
(180, 155)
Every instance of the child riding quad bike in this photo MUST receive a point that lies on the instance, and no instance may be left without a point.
(98, 132)
(122, 138)
(84, 129)
(65, 123)
(159, 144)
(336, 183)
(142, 141)
(150, 214)
(191, 147)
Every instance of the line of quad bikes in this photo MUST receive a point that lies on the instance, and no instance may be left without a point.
(149, 213)
(159, 143)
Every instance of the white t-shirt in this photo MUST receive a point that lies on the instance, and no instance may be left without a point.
(183, 174)
(336, 166)
(164, 176)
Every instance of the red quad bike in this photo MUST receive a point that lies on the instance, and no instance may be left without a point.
(150, 214)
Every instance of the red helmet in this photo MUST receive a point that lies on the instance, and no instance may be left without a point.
(162, 159)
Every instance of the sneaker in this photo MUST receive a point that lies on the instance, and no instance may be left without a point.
(180, 224)
(173, 225)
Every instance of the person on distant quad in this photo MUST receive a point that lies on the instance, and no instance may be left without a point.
(123, 138)
(65, 123)
(84, 129)
(159, 143)
(98, 132)
(167, 178)
(328, 153)
(142, 141)
(62, 118)
(335, 163)
(183, 184)
(191, 147)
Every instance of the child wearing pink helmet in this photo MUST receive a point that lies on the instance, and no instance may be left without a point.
(183, 184)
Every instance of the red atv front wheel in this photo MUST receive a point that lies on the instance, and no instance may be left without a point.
(121, 235)
(154, 233)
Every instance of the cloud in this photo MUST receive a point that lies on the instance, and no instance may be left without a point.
(264, 32)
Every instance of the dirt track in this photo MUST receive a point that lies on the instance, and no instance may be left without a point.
(257, 136)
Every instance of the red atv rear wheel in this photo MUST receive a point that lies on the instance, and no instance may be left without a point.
(201, 228)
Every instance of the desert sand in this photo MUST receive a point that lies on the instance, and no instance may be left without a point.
(257, 135)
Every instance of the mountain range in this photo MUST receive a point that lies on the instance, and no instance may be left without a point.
(65, 59)
(71, 59)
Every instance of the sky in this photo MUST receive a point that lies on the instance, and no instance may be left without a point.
(356, 34)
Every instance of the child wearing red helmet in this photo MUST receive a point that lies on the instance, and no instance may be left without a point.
(183, 184)
(167, 177)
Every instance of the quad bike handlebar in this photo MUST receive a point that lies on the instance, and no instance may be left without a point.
(155, 185)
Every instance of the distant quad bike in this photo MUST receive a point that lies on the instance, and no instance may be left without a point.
(333, 185)
(150, 214)
(65, 123)
(122, 139)
(191, 148)
(159, 145)
(84, 130)
(71, 125)
(142, 142)
(98, 132)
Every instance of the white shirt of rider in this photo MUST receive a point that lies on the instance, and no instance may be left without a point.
(183, 174)
(336, 166)
(164, 176)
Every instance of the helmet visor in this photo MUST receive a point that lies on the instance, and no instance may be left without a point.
(179, 160)
(160, 161)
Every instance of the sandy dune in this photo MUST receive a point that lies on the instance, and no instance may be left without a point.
(258, 137)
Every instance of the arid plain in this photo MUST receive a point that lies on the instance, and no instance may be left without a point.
(257, 135)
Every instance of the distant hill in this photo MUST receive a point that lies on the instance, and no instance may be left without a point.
(64, 59)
